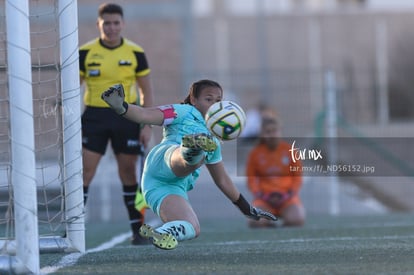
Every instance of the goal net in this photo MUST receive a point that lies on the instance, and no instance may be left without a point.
(41, 197)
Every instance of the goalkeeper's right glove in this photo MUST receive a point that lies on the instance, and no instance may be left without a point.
(253, 212)
(115, 97)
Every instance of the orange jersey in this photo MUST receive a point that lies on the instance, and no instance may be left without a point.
(271, 170)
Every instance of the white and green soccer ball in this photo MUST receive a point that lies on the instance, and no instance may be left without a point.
(225, 119)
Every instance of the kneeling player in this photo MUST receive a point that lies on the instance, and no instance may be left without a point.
(274, 186)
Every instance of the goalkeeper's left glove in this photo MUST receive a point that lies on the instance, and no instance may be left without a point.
(115, 97)
(253, 212)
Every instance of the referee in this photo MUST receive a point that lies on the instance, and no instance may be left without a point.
(104, 61)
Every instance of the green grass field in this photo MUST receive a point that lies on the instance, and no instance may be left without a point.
(381, 244)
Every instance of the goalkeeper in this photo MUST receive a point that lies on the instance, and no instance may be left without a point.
(172, 167)
(274, 186)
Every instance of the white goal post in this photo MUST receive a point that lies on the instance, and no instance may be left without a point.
(24, 168)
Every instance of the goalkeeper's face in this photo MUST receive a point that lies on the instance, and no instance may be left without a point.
(110, 26)
(207, 97)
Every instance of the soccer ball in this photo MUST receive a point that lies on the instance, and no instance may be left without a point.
(225, 120)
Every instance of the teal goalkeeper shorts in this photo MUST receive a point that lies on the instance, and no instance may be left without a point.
(159, 181)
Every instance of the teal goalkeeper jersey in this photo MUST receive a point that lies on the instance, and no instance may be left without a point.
(158, 180)
(185, 119)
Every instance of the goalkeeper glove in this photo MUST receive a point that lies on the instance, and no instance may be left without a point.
(115, 97)
(253, 212)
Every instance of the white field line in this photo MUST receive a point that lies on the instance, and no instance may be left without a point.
(71, 259)
(302, 240)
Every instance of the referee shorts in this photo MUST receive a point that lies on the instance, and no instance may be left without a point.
(99, 125)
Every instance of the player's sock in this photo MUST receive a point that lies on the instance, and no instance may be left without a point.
(85, 194)
(140, 203)
(136, 218)
(181, 230)
(191, 156)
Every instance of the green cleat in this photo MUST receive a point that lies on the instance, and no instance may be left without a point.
(161, 240)
(201, 141)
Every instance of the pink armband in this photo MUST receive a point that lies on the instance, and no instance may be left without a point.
(169, 114)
